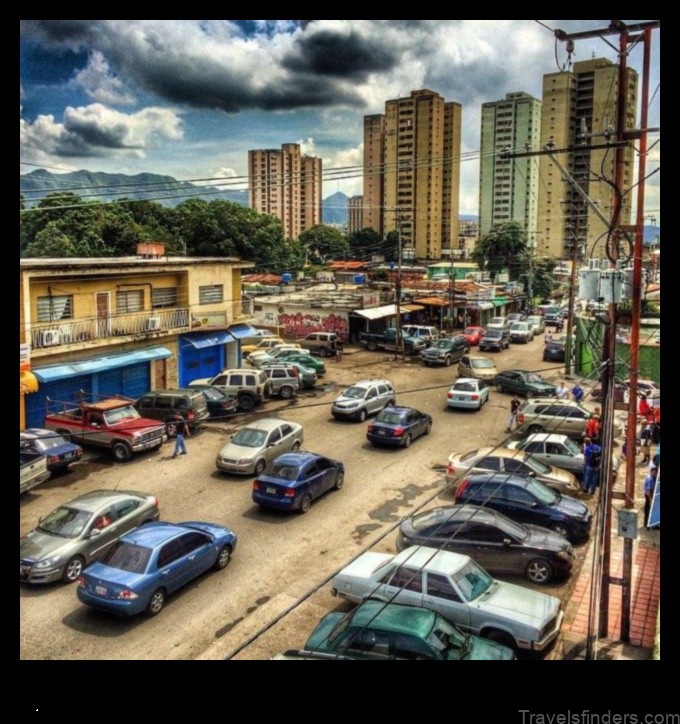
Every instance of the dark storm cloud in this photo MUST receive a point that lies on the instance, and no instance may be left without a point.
(473, 81)
(67, 33)
(338, 54)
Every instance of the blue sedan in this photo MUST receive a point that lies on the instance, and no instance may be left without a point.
(60, 452)
(398, 426)
(293, 480)
(151, 562)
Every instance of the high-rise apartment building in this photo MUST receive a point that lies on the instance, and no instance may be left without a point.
(355, 205)
(412, 172)
(583, 99)
(508, 187)
(286, 184)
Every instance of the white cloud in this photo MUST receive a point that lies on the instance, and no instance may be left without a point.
(99, 83)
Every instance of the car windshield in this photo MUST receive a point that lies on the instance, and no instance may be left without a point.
(212, 394)
(534, 320)
(537, 465)
(434, 517)
(128, 557)
(510, 527)
(448, 640)
(391, 418)
(493, 333)
(472, 330)
(65, 521)
(520, 327)
(442, 343)
(465, 386)
(472, 581)
(497, 320)
(282, 471)
(355, 393)
(542, 492)
(122, 414)
(248, 437)
(45, 443)
(482, 364)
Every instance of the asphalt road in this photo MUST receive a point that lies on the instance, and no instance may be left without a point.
(276, 588)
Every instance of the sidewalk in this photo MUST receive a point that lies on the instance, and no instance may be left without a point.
(645, 591)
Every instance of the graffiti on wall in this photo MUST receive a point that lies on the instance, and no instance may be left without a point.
(300, 325)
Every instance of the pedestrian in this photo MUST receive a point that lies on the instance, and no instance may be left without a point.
(561, 392)
(514, 409)
(646, 441)
(592, 454)
(577, 393)
(338, 349)
(593, 427)
(645, 409)
(649, 485)
(182, 431)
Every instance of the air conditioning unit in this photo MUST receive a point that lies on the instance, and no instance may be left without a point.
(50, 337)
(153, 324)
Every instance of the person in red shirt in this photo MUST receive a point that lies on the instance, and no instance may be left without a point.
(645, 409)
(593, 427)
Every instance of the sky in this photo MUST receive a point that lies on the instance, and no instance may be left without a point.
(190, 98)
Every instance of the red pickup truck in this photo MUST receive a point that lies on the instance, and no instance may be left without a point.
(111, 423)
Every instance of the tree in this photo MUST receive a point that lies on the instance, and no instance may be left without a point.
(325, 242)
(543, 279)
(503, 249)
(363, 244)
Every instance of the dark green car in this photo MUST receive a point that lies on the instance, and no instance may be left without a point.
(319, 366)
(378, 630)
(524, 383)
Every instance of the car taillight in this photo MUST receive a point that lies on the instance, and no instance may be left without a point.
(370, 428)
(451, 469)
(475, 397)
(520, 418)
(449, 395)
(398, 431)
(256, 485)
(80, 580)
(53, 458)
(190, 415)
(289, 493)
(461, 489)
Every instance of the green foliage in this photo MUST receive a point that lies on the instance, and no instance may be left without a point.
(325, 242)
(503, 248)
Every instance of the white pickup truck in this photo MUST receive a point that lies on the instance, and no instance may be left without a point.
(457, 588)
(33, 470)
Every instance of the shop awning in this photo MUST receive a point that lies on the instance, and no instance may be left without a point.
(500, 302)
(435, 302)
(27, 383)
(100, 364)
(208, 339)
(479, 305)
(387, 310)
(242, 330)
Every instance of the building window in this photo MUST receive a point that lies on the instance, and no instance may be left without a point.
(164, 297)
(132, 301)
(213, 294)
(54, 308)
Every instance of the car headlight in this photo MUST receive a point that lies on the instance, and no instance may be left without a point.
(48, 562)
(353, 404)
(244, 461)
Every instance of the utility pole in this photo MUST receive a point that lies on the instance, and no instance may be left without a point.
(568, 348)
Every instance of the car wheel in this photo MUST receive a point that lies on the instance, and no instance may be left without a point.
(500, 637)
(121, 452)
(428, 429)
(156, 602)
(500, 387)
(372, 345)
(539, 571)
(305, 503)
(72, 570)
(296, 446)
(286, 392)
(260, 465)
(447, 361)
(534, 429)
(362, 415)
(246, 403)
(407, 440)
(339, 480)
(323, 352)
(223, 557)
(561, 529)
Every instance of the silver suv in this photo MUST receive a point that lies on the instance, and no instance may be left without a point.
(363, 398)
(284, 379)
(546, 414)
(250, 386)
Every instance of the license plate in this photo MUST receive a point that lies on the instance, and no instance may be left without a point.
(461, 397)
(271, 491)
(381, 432)
(100, 590)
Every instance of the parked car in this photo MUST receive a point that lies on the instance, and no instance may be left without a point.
(622, 391)
(321, 343)
(258, 443)
(292, 481)
(524, 383)
(251, 387)
(428, 334)
(498, 323)
(398, 426)
(500, 459)
(220, 404)
(33, 470)
(307, 376)
(547, 414)
(363, 398)
(554, 449)
(554, 348)
(537, 322)
(515, 317)
(274, 354)
(164, 405)
(467, 393)
(459, 589)
(554, 317)
(521, 332)
(302, 357)
(58, 451)
(263, 345)
(390, 631)
(497, 543)
(528, 501)
(474, 335)
(149, 564)
(81, 531)
(495, 339)
(478, 367)
(284, 380)
(445, 351)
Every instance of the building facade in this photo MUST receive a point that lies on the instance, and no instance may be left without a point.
(582, 100)
(287, 185)
(508, 187)
(412, 172)
(355, 206)
(125, 326)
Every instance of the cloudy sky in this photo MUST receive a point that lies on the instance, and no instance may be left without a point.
(189, 98)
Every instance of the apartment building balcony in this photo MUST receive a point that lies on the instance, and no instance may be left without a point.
(91, 332)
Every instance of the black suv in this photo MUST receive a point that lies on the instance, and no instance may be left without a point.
(446, 351)
(528, 501)
(496, 339)
(163, 404)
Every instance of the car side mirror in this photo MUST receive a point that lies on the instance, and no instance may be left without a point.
(534, 504)
(507, 542)
(95, 532)
(532, 474)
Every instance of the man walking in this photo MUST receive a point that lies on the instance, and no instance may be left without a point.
(592, 454)
(338, 350)
(561, 392)
(577, 393)
(650, 484)
(182, 432)
(514, 409)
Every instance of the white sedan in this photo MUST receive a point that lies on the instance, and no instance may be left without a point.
(467, 393)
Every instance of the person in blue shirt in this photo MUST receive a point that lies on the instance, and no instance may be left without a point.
(577, 392)
(650, 484)
(591, 473)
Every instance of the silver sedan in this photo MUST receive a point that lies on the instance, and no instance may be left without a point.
(467, 393)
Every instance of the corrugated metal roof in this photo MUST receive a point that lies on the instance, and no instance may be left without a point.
(387, 310)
